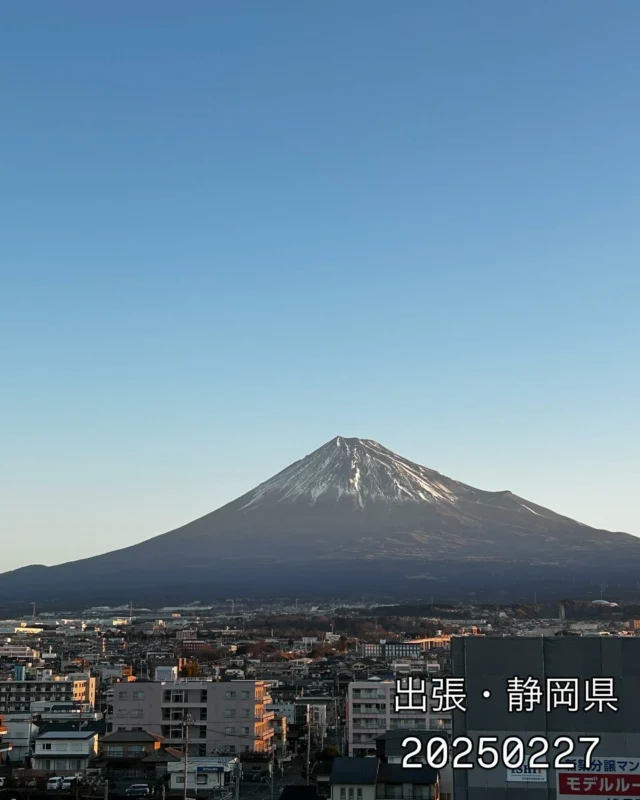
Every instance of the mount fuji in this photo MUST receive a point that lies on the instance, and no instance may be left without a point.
(352, 518)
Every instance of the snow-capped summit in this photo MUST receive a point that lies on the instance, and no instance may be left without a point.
(361, 469)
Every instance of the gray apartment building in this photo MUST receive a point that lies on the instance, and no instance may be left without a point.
(221, 716)
(549, 687)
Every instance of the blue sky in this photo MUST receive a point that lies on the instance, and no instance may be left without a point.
(232, 231)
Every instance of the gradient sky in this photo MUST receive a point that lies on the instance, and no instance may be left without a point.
(232, 231)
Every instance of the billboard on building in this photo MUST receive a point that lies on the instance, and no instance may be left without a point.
(553, 702)
(610, 778)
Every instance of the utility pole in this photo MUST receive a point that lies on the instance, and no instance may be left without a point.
(273, 769)
(187, 721)
(106, 790)
(308, 742)
(237, 786)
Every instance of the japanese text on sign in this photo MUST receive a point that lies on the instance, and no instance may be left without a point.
(524, 695)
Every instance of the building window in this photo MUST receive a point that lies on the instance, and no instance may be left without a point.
(244, 712)
(46, 746)
(138, 695)
(232, 748)
(229, 695)
(123, 695)
(244, 695)
(203, 714)
(343, 793)
(229, 731)
(202, 750)
(201, 779)
(246, 730)
(136, 712)
(179, 778)
(351, 793)
(203, 696)
(359, 793)
(229, 712)
(203, 732)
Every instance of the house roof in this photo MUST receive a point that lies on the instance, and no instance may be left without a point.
(89, 726)
(67, 734)
(168, 755)
(132, 736)
(397, 774)
(349, 769)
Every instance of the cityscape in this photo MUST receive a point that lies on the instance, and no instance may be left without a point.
(257, 700)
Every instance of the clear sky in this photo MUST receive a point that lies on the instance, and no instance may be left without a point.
(231, 231)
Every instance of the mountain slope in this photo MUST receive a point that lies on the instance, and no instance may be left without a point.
(349, 516)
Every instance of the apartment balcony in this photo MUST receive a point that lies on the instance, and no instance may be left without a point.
(380, 712)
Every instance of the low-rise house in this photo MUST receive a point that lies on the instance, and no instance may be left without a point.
(65, 751)
(354, 778)
(124, 753)
(204, 774)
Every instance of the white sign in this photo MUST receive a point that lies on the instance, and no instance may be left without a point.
(610, 778)
(527, 774)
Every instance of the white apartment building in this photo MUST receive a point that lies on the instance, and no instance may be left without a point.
(222, 716)
(371, 712)
(18, 695)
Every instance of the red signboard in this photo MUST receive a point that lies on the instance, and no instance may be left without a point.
(611, 785)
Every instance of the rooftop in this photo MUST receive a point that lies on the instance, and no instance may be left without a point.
(349, 769)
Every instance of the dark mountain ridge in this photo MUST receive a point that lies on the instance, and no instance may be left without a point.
(350, 517)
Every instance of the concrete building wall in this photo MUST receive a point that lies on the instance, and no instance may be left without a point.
(371, 712)
(488, 664)
(230, 716)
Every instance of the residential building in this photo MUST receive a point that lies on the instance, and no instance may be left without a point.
(64, 751)
(5, 747)
(222, 716)
(19, 694)
(354, 778)
(380, 778)
(388, 651)
(371, 711)
(21, 732)
(19, 652)
(280, 744)
(125, 751)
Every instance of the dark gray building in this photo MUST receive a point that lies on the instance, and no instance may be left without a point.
(549, 687)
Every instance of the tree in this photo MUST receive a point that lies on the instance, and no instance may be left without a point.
(191, 670)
